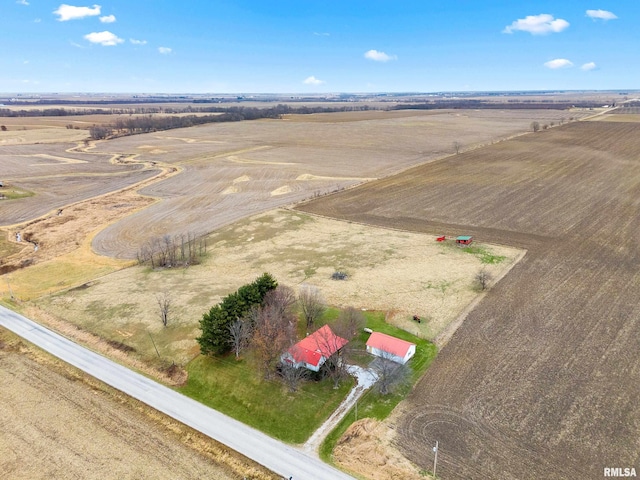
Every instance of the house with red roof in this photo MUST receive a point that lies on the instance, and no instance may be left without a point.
(391, 348)
(312, 351)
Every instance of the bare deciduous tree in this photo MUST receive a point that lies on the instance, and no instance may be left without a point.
(457, 146)
(332, 345)
(535, 126)
(349, 323)
(164, 306)
(240, 335)
(483, 278)
(391, 375)
(311, 303)
(292, 376)
(274, 328)
(283, 300)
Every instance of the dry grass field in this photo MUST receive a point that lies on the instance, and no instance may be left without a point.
(58, 423)
(397, 272)
(542, 379)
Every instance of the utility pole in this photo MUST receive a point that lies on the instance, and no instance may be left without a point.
(154, 344)
(435, 458)
(10, 291)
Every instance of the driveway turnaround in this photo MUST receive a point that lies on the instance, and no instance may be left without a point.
(272, 454)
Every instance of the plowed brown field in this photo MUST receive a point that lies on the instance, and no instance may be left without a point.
(233, 170)
(542, 380)
(58, 423)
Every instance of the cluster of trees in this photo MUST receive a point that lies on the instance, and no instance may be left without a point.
(535, 126)
(216, 324)
(177, 251)
(262, 317)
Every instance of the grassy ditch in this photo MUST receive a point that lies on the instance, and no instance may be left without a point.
(372, 404)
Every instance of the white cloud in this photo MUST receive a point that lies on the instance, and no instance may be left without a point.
(558, 63)
(537, 24)
(37, 20)
(138, 42)
(68, 12)
(22, 2)
(601, 14)
(589, 66)
(313, 81)
(164, 50)
(377, 56)
(108, 19)
(106, 39)
(321, 34)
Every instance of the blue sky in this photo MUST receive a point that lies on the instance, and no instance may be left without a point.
(312, 46)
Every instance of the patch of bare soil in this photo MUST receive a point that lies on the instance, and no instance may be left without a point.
(58, 423)
(367, 448)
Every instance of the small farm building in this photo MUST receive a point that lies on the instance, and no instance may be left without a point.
(392, 348)
(464, 240)
(312, 351)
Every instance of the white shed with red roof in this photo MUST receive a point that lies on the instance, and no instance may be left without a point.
(391, 348)
(312, 351)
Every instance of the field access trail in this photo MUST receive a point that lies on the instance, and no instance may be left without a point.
(274, 455)
(543, 378)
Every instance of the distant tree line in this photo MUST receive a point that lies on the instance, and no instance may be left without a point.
(151, 123)
(487, 104)
(249, 113)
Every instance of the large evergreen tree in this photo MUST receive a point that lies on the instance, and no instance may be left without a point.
(215, 338)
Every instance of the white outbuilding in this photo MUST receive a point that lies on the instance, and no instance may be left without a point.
(391, 348)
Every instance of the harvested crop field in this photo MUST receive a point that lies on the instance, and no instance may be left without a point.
(233, 170)
(542, 379)
(58, 423)
(62, 174)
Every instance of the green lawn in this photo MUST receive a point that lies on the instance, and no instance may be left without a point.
(12, 193)
(372, 404)
(238, 390)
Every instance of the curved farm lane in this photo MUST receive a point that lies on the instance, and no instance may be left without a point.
(274, 455)
(542, 379)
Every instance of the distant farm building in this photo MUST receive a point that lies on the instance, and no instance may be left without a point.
(391, 348)
(464, 240)
(312, 351)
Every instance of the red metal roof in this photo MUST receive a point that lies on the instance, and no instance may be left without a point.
(321, 343)
(390, 344)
